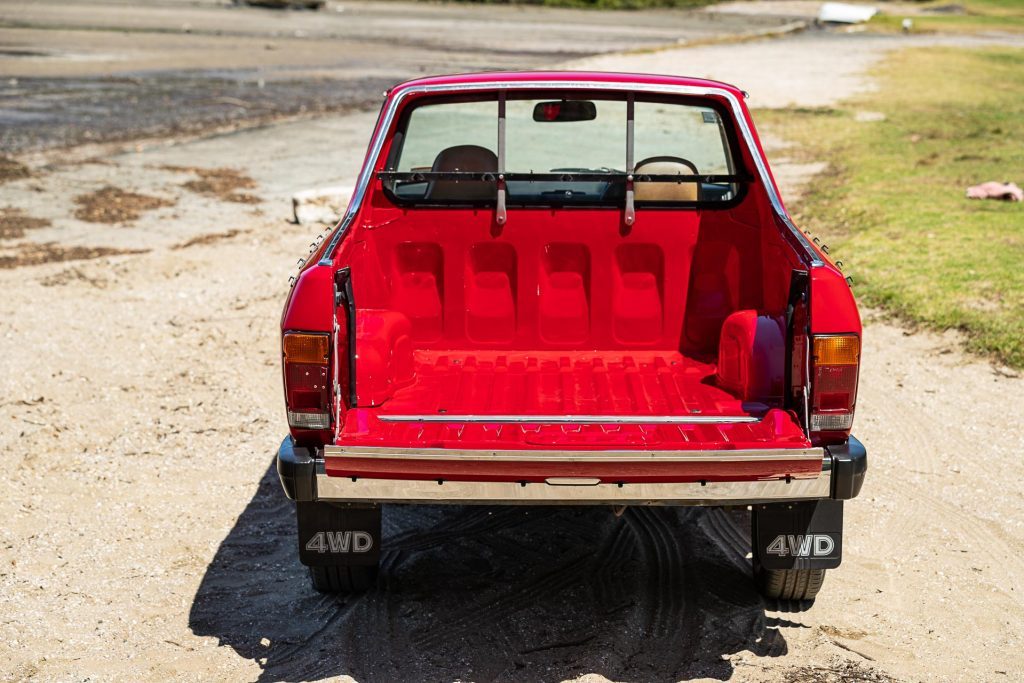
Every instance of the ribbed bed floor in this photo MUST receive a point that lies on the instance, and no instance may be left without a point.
(559, 383)
(453, 391)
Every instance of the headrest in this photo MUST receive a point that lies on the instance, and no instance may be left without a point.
(464, 158)
(665, 191)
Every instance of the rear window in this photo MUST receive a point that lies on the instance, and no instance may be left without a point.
(562, 152)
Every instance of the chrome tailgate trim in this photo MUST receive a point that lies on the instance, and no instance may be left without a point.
(364, 490)
(572, 419)
(610, 456)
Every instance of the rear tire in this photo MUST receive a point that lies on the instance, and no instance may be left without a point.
(789, 584)
(343, 578)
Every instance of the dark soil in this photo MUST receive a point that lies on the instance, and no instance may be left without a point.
(208, 239)
(50, 252)
(222, 183)
(11, 169)
(14, 223)
(114, 205)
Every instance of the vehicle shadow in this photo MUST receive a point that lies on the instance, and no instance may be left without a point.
(495, 594)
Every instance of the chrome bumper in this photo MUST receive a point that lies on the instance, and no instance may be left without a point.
(843, 470)
(570, 491)
(340, 489)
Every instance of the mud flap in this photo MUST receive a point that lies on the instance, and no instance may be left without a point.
(338, 535)
(806, 535)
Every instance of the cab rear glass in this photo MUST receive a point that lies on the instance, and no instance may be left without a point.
(563, 151)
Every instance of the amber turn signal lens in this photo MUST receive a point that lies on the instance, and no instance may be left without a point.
(837, 350)
(305, 348)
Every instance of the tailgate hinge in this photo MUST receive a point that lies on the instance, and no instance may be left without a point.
(343, 299)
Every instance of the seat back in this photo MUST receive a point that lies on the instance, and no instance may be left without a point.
(471, 158)
(663, 191)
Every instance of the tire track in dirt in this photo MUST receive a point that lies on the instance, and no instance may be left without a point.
(615, 552)
(481, 615)
(730, 530)
(522, 597)
(1004, 554)
(470, 522)
(984, 536)
(664, 566)
(303, 654)
(518, 596)
(722, 528)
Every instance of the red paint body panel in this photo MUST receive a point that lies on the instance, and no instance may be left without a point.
(833, 309)
(565, 311)
(456, 80)
(751, 356)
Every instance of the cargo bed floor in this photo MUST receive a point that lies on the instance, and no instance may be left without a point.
(560, 383)
(647, 400)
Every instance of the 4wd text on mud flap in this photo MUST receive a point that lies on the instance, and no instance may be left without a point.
(800, 545)
(340, 542)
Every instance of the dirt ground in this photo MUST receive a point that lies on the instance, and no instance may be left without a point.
(78, 71)
(145, 536)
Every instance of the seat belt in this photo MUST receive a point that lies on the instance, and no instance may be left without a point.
(630, 215)
(500, 215)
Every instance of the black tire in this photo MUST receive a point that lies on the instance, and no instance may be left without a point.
(343, 578)
(789, 584)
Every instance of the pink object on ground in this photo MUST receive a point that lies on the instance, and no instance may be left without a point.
(993, 190)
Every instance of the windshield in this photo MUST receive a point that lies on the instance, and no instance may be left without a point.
(561, 151)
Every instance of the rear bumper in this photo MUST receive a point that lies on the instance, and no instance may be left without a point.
(304, 477)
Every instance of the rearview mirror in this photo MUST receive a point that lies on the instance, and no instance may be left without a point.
(566, 110)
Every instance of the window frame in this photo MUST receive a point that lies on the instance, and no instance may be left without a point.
(734, 157)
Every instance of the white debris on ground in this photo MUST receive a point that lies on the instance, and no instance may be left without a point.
(995, 190)
(845, 13)
(320, 205)
(868, 116)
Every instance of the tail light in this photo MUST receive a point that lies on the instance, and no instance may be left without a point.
(307, 380)
(835, 365)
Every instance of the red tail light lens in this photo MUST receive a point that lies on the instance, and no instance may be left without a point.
(835, 366)
(307, 380)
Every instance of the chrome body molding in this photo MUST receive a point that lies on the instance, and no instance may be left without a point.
(388, 116)
(567, 492)
(609, 456)
(573, 419)
(340, 231)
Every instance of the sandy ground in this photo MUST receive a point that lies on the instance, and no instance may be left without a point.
(79, 71)
(146, 538)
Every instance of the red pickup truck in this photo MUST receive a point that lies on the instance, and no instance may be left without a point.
(570, 288)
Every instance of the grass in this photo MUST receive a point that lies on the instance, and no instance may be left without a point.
(975, 16)
(892, 203)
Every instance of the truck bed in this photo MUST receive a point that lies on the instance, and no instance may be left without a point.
(502, 399)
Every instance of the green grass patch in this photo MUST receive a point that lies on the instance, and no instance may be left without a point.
(892, 204)
(959, 16)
